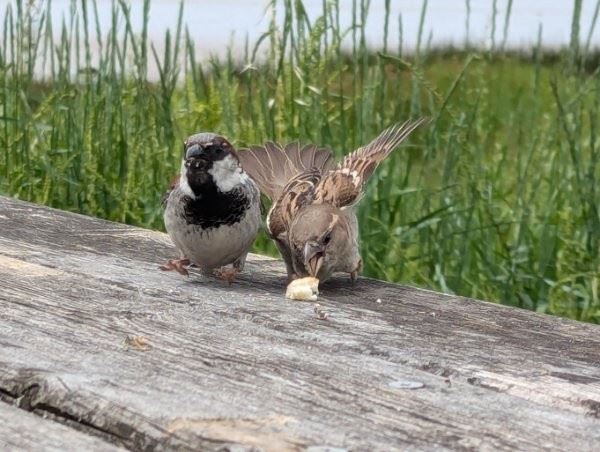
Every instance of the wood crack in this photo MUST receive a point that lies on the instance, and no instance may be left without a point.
(25, 400)
(207, 434)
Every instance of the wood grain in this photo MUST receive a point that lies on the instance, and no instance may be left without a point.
(242, 366)
(20, 430)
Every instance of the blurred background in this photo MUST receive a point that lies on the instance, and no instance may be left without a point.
(497, 199)
(218, 26)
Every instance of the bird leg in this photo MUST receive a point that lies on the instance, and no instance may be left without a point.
(287, 259)
(240, 262)
(227, 274)
(176, 264)
(354, 273)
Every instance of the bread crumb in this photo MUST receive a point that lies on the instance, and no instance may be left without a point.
(321, 314)
(303, 289)
(137, 342)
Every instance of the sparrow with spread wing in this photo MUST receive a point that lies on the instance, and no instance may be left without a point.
(312, 219)
(212, 211)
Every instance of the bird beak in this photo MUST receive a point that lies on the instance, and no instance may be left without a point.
(196, 163)
(313, 257)
(195, 157)
(193, 151)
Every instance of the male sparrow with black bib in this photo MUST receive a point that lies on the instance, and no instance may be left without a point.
(212, 211)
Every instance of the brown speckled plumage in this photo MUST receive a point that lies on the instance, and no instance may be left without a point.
(308, 192)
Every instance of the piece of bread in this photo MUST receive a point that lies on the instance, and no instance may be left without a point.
(303, 289)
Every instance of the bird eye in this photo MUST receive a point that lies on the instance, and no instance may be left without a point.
(327, 238)
(217, 151)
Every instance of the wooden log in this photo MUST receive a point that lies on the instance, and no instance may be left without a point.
(20, 430)
(92, 332)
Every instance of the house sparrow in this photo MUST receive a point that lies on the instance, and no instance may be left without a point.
(212, 211)
(312, 220)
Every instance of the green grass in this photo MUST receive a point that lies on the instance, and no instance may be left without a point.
(497, 198)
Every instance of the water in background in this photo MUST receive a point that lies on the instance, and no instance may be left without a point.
(216, 25)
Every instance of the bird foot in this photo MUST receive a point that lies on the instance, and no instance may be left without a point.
(176, 264)
(227, 274)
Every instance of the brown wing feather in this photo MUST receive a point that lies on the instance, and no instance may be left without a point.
(379, 148)
(298, 193)
(337, 188)
(272, 166)
(343, 185)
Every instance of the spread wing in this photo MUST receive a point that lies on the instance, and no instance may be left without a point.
(297, 193)
(272, 166)
(343, 186)
(295, 176)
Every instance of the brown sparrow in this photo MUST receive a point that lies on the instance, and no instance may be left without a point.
(312, 219)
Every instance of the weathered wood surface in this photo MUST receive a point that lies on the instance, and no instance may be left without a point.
(243, 366)
(20, 430)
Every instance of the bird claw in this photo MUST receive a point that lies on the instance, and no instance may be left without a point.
(227, 274)
(176, 264)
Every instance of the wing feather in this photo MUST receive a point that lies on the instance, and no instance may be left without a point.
(343, 186)
(272, 166)
(297, 193)
(295, 176)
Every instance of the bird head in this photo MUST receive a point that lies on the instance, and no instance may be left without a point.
(318, 236)
(209, 160)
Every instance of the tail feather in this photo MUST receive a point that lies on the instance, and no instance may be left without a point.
(272, 166)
